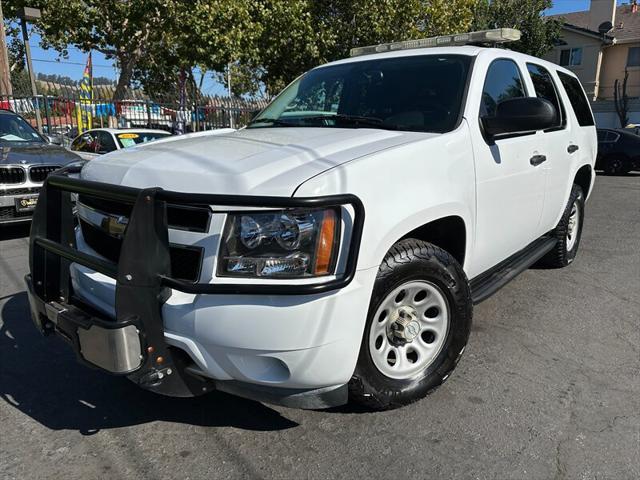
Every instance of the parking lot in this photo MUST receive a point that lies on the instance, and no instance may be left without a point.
(549, 387)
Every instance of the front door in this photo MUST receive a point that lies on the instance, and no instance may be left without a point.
(509, 174)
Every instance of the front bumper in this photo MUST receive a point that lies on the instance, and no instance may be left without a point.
(134, 340)
(9, 198)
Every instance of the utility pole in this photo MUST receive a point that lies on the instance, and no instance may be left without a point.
(26, 14)
(5, 73)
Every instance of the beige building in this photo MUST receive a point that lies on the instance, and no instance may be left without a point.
(599, 45)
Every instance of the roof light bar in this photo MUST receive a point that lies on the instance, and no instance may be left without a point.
(498, 35)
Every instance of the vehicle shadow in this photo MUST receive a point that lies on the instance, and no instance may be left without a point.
(602, 173)
(19, 230)
(40, 377)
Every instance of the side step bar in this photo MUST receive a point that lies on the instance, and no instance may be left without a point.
(489, 282)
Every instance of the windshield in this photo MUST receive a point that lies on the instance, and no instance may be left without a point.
(415, 93)
(129, 139)
(14, 130)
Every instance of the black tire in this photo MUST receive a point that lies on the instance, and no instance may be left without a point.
(409, 260)
(616, 166)
(561, 256)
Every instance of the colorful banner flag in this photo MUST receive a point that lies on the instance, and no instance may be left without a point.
(86, 97)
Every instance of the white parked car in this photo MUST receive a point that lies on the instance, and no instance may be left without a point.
(99, 141)
(334, 248)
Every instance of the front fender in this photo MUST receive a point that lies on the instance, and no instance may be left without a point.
(404, 188)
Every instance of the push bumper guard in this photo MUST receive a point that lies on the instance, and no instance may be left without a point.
(133, 343)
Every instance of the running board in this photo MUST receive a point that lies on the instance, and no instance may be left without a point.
(489, 282)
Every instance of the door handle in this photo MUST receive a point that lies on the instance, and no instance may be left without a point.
(572, 148)
(537, 160)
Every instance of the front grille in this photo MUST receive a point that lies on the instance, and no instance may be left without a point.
(12, 175)
(9, 213)
(193, 218)
(19, 191)
(38, 174)
(185, 260)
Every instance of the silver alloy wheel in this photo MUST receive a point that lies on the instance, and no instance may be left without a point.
(409, 329)
(573, 226)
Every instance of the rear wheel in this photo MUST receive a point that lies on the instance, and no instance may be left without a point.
(418, 325)
(568, 232)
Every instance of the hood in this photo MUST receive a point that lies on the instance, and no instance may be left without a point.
(42, 154)
(258, 161)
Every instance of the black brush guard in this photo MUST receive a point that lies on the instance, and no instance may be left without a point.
(133, 343)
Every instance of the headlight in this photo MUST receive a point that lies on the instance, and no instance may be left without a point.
(283, 243)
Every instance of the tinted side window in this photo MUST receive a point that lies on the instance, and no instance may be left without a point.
(502, 83)
(105, 142)
(75, 145)
(577, 98)
(85, 143)
(545, 88)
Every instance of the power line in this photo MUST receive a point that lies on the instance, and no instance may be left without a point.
(70, 63)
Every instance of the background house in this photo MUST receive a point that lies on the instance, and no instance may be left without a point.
(599, 45)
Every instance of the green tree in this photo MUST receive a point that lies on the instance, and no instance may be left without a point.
(151, 40)
(121, 30)
(290, 41)
(352, 23)
(267, 42)
(296, 36)
(538, 32)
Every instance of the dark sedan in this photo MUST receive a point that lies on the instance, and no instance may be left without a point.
(26, 158)
(618, 151)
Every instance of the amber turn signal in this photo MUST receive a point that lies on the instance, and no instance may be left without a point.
(326, 243)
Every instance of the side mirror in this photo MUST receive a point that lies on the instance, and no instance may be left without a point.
(53, 140)
(524, 114)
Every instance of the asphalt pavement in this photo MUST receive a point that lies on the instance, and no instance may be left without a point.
(548, 388)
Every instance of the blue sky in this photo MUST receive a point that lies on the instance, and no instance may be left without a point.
(45, 60)
(565, 6)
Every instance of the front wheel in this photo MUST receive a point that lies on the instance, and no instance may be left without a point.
(417, 327)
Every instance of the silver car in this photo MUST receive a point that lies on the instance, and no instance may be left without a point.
(26, 158)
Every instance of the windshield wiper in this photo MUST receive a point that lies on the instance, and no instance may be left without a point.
(337, 118)
(271, 121)
(354, 120)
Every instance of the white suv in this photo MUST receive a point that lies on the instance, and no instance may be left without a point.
(335, 247)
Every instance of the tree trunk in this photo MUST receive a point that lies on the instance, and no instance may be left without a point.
(621, 99)
(5, 75)
(127, 64)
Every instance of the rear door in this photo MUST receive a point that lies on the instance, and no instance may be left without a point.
(582, 134)
(558, 144)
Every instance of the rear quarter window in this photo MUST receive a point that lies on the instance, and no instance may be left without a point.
(577, 99)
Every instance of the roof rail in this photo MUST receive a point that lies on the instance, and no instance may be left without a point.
(484, 37)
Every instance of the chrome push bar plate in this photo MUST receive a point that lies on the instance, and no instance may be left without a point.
(117, 350)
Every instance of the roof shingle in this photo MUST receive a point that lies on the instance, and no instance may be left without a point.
(626, 27)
